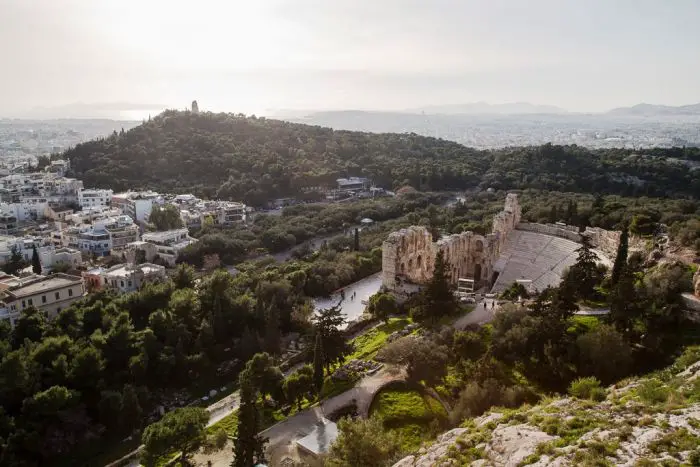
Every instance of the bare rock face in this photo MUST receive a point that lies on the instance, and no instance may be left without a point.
(696, 283)
(610, 432)
(511, 444)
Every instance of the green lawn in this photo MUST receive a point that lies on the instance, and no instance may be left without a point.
(409, 412)
(368, 344)
(229, 423)
(581, 324)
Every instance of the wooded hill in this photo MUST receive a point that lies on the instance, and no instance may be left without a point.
(257, 159)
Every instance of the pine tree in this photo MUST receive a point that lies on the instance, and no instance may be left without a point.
(318, 364)
(327, 323)
(247, 442)
(357, 239)
(583, 275)
(621, 258)
(15, 263)
(36, 262)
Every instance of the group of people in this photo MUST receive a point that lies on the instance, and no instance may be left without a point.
(342, 295)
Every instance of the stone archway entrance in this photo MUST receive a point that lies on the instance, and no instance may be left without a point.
(477, 273)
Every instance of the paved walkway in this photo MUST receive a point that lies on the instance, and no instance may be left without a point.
(479, 315)
(284, 434)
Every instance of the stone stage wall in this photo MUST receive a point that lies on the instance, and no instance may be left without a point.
(409, 254)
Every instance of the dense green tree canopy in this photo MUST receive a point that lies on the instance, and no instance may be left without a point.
(257, 159)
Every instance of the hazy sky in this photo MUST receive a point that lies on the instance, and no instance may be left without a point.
(253, 55)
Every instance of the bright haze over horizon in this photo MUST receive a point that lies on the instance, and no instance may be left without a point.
(262, 55)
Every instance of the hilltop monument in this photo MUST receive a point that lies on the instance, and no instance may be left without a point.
(195, 107)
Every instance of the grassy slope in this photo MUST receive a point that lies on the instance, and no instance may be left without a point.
(409, 412)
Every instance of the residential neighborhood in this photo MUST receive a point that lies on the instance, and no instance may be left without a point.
(88, 239)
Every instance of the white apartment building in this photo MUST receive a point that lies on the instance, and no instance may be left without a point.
(51, 257)
(136, 204)
(228, 213)
(62, 188)
(91, 214)
(100, 237)
(50, 294)
(124, 278)
(23, 245)
(168, 244)
(89, 198)
(30, 208)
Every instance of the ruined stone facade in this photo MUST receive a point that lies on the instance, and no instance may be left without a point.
(409, 254)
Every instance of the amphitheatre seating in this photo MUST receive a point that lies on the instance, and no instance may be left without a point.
(537, 257)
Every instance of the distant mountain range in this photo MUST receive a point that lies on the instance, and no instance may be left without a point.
(476, 108)
(486, 109)
(651, 110)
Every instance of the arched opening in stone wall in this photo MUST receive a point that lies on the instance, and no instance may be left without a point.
(403, 268)
(479, 246)
(410, 264)
(477, 272)
(419, 262)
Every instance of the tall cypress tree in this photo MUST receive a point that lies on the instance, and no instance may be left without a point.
(36, 262)
(247, 442)
(621, 258)
(624, 308)
(440, 300)
(357, 239)
(582, 276)
(318, 364)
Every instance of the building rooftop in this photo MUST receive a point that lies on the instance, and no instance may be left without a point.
(351, 180)
(319, 441)
(167, 235)
(44, 284)
(125, 270)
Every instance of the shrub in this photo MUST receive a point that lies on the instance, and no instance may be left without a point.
(653, 391)
(477, 398)
(216, 440)
(587, 388)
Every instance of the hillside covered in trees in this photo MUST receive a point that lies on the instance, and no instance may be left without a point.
(256, 159)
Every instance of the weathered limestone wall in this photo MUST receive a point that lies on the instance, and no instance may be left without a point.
(606, 241)
(409, 254)
(556, 230)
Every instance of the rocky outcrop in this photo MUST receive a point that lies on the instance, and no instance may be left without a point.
(648, 421)
(696, 283)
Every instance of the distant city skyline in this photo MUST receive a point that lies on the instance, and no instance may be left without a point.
(253, 57)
